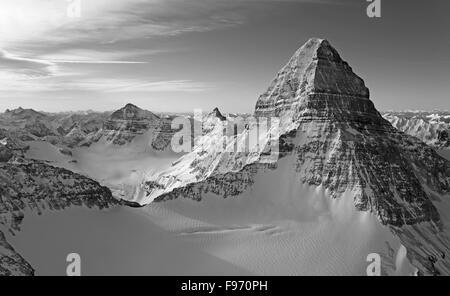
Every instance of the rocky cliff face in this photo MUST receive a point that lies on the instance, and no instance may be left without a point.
(336, 140)
(28, 185)
(127, 123)
(124, 125)
(11, 263)
(10, 146)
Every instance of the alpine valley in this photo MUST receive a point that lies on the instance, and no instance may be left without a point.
(328, 181)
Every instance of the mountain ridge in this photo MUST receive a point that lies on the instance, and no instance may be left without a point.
(337, 140)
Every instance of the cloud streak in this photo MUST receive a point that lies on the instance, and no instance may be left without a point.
(26, 67)
(74, 83)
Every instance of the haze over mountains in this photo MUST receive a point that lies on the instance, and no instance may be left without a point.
(339, 183)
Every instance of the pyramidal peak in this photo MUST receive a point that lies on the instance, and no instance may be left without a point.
(133, 112)
(334, 139)
(316, 69)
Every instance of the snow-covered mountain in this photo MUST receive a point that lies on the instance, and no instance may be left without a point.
(129, 122)
(431, 127)
(30, 125)
(328, 136)
(27, 123)
(24, 114)
(29, 185)
(71, 130)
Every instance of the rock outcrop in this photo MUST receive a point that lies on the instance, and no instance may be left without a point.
(11, 145)
(218, 114)
(28, 185)
(11, 263)
(336, 139)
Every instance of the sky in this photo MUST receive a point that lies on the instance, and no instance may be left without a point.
(181, 55)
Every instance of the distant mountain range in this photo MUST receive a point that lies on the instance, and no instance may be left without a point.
(431, 127)
(330, 138)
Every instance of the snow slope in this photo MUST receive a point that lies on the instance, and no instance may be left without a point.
(281, 227)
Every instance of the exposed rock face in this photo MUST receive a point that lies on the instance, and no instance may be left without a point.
(162, 137)
(10, 145)
(5, 153)
(29, 184)
(431, 128)
(32, 185)
(337, 140)
(36, 124)
(11, 263)
(443, 137)
(82, 129)
(218, 114)
(130, 122)
(77, 129)
(61, 129)
(87, 122)
(24, 114)
(127, 123)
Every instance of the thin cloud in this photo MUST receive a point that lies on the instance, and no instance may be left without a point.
(26, 67)
(71, 83)
(163, 86)
(114, 85)
(91, 56)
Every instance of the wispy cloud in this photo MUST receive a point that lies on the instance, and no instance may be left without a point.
(25, 67)
(157, 86)
(110, 21)
(81, 83)
(91, 56)
(105, 51)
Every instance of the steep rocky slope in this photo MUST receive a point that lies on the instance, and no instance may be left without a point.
(28, 185)
(10, 145)
(129, 123)
(28, 123)
(321, 117)
(11, 263)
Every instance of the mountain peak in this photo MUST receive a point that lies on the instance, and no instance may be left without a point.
(133, 112)
(131, 106)
(315, 68)
(21, 113)
(216, 112)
